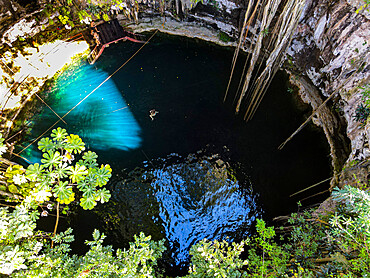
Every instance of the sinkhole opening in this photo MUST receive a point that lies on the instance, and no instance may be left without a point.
(195, 169)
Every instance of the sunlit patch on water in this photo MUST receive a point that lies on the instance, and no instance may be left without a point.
(166, 77)
(194, 198)
(103, 119)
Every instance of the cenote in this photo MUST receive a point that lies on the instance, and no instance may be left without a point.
(197, 170)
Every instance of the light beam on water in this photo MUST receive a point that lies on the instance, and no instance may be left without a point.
(103, 120)
(181, 199)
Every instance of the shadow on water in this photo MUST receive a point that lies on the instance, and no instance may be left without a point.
(196, 170)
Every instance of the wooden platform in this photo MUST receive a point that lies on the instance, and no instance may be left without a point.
(107, 33)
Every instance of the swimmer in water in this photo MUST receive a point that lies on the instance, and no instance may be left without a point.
(152, 113)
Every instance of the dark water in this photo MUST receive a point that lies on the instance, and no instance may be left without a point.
(196, 170)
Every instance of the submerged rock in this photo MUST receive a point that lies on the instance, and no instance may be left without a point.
(185, 201)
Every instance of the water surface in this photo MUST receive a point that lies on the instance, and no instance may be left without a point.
(196, 170)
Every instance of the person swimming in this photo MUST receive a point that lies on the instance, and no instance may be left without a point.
(152, 113)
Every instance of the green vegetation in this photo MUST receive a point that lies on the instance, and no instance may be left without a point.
(57, 177)
(71, 14)
(26, 252)
(310, 245)
(265, 32)
(195, 2)
(216, 259)
(364, 6)
(333, 244)
(362, 112)
(224, 37)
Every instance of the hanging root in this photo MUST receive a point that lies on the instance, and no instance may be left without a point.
(288, 22)
(241, 39)
(280, 39)
(269, 11)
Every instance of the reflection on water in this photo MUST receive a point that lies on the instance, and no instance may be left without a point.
(103, 119)
(182, 198)
(193, 198)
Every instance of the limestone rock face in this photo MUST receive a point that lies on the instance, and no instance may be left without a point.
(329, 52)
(331, 47)
(208, 17)
(332, 126)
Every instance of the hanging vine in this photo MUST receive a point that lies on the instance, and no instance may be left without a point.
(280, 39)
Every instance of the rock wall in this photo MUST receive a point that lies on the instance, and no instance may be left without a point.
(329, 53)
(330, 50)
(204, 20)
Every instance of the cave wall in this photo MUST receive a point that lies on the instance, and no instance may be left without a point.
(330, 50)
(329, 53)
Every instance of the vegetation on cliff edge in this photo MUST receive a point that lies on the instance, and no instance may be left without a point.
(332, 244)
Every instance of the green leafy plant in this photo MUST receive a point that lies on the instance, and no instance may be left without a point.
(366, 95)
(362, 113)
(363, 109)
(193, 3)
(23, 252)
(265, 257)
(84, 17)
(364, 6)
(351, 228)
(3, 147)
(214, 3)
(59, 177)
(224, 37)
(265, 32)
(16, 231)
(15, 181)
(105, 17)
(306, 238)
(217, 259)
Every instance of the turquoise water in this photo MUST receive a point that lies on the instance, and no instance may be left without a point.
(102, 118)
(196, 170)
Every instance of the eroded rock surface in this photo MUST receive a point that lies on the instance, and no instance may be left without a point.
(331, 48)
(329, 53)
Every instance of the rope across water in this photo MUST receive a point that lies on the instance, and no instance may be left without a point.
(110, 76)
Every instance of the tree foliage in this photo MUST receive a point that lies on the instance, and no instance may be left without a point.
(60, 176)
(332, 245)
(100, 261)
(26, 252)
(217, 259)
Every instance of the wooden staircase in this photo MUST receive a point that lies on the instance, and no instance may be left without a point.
(107, 33)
